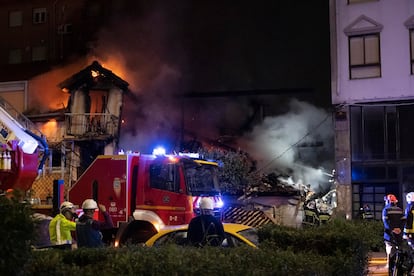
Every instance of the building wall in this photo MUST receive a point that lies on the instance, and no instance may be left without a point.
(363, 177)
(67, 30)
(395, 81)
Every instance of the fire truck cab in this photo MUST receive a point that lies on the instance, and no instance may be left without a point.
(144, 193)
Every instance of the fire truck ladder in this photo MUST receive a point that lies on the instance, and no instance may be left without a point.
(16, 126)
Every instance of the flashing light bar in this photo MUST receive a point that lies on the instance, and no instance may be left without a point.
(189, 154)
(218, 202)
(158, 151)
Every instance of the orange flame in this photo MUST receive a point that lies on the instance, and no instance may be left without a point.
(50, 129)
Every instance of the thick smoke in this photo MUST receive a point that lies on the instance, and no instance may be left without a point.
(147, 48)
(151, 53)
(45, 94)
(298, 143)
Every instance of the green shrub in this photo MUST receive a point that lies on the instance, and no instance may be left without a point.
(16, 234)
(339, 248)
(346, 242)
(175, 260)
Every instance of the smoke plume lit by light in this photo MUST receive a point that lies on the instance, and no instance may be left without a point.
(276, 143)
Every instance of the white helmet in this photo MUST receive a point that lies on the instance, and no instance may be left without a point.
(410, 197)
(89, 204)
(311, 204)
(66, 205)
(206, 203)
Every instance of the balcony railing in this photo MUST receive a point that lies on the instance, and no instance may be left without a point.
(82, 125)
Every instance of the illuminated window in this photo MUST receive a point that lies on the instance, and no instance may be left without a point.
(364, 48)
(15, 19)
(15, 56)
(39, 15)
(39, 53)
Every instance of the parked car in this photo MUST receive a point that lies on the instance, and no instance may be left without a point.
(235, 235)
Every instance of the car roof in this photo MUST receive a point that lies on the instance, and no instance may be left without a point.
(234, 227)
(228, 228)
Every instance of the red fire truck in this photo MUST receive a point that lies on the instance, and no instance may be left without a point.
(145, 192)
(23, 149)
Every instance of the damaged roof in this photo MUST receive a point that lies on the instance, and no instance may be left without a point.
(94, 77)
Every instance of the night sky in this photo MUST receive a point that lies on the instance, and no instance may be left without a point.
(261, 45)
(227, 46)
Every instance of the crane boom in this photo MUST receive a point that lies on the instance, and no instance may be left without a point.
(20, 148)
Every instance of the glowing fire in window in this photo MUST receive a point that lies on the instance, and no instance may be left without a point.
(50, 129)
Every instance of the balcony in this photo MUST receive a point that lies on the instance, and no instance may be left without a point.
(98, 126)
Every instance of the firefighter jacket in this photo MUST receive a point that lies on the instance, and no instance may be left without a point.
(366, 214)
(311, 216)
(409, 224)
(60, 230)
(205, 230)
(392, 217)
(88, 230)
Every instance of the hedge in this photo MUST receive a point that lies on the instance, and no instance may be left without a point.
(338, 248)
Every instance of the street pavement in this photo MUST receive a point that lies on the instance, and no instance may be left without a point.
(377, 264)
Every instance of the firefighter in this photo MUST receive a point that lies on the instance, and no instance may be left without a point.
(409, 214)
(365, 213)
(323, 213)
(311, 213)
(393, 219)
(205, 229)
(62, 225)
(88, 230)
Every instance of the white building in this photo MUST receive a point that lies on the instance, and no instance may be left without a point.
(372, 66)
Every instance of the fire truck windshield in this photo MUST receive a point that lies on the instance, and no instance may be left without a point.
(201, 178)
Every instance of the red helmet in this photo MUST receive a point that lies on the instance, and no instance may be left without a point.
(391, 198)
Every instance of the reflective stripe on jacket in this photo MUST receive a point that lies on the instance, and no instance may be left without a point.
(60, 230)
(392, 217)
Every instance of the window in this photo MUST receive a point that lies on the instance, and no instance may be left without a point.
(39, 15)
(412, 51)
(39, 53)
(164, 177)
(65, 29)
(15, 56)
(364, 56)
(409, 23)
(367, 132)
(382, 132)
(15, 19)
(364, 48)
(405, 116)
(56, 156)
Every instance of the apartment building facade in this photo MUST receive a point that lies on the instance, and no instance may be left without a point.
(372, 72)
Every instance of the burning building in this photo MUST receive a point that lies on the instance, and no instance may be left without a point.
(88, 126)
